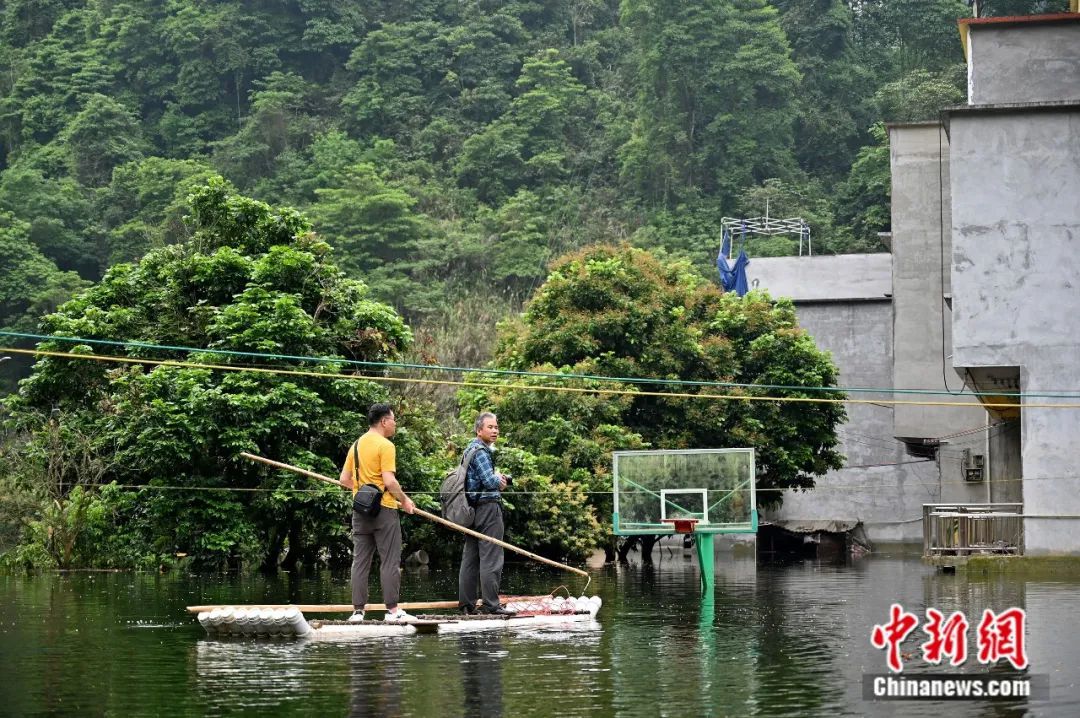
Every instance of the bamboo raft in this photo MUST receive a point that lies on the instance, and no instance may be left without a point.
(289, 621)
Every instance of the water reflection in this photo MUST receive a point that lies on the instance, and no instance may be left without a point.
(376, 679)
(777, 640)
(481, 658)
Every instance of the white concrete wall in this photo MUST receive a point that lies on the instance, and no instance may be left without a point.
(842, 302)
(824, 277)
(1034, 60)
(921, 253)
(1016, 288)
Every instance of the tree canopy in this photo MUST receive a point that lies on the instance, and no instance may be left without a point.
(444, 146)
(617, 311)
(251, 278)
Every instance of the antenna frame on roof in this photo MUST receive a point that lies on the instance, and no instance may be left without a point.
(768, 226)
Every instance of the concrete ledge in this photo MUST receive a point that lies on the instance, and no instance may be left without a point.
(825, 277)
(1013, 566)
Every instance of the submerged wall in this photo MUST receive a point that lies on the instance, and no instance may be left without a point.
(844, 303)
(1015, 167)
(1016, 285)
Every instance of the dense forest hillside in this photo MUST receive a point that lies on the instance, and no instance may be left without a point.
(452, 149)
(360, 183)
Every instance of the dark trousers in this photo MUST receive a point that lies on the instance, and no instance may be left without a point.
(382, 534)
(482, 561)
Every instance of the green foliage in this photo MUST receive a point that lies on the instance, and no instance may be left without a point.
(533, 143)
(144, 205)
(30, 285)
(618, 311)
(444, 148)
(863, 201)
(59, 215)
(831, 108)
(251, 278)
(713, 111)
(1012, 8)
(897, 36)
(280, 123)
(371, 221)
(103, 135)
(920, 95)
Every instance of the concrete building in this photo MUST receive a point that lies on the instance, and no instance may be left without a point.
(845, 303)
(875, 314)
(980, 293)
(1014, 166)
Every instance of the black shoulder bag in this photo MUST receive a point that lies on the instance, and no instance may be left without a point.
(368, 499)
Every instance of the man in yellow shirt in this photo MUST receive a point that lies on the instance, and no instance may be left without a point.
(382, 533)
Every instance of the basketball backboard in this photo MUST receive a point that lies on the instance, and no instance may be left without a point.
(713, 486)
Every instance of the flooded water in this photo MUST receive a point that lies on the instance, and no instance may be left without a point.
(789, 640)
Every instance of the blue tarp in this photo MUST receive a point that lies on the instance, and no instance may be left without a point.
(733, 276)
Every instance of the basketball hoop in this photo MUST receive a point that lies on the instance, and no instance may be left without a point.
(682, 526)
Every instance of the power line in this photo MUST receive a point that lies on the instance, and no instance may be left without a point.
(874, 486)
(1063, 394)
(525, 387)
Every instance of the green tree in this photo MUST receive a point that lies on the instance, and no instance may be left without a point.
(897, 36)
(831, 108)
(920, 95)
(618, 311)
(863, 199)
(144, 204)
(51, 81)
(280, 122)
(715, 82)
(251, 278)
(371, 221)
(30, 285)
(103, 135)
(536, 142)
(59, 212)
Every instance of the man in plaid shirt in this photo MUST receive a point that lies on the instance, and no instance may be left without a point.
(482, 561)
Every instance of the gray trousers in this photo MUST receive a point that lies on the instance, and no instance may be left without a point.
(482, 561)
(382, 534)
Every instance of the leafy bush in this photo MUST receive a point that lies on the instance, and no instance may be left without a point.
(618, 311)
(251, 279)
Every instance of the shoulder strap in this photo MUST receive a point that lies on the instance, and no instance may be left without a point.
(470, 452)
(358, 474)
(466, 461)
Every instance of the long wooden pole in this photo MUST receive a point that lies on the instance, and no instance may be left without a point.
(334, 607)
(348, 607)
(425, 514)
(497, 542)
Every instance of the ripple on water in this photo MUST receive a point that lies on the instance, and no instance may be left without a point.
(776, 640)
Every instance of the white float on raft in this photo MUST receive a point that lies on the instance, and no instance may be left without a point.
(289, 622)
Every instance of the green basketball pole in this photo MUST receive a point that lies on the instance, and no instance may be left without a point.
(704, 543)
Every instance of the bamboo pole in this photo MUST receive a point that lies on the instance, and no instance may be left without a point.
(348, 607)
(425, 514)
(335, 607)
(497, 542)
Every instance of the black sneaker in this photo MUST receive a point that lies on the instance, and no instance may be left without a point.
(498, 611)
(467, 610)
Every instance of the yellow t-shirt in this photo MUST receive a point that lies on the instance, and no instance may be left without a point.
(377, 454)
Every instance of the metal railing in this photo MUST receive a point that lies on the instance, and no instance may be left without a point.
(970, 529)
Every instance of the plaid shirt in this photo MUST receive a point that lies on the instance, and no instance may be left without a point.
(481, 483)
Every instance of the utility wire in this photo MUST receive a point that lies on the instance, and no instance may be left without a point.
(528, 387)
(1063, 394)
(875, 486)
